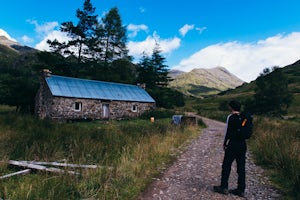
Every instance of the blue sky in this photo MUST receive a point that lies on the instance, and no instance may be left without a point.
(244, 36)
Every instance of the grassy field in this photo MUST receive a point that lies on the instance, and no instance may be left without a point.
(131, 153)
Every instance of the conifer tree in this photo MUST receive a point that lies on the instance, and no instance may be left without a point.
(154, 73)
(160, 69)
(111, 37)
(80, 34)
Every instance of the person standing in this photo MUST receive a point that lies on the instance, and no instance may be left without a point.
(235, 148)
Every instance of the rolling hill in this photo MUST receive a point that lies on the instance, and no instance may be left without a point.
(202, 82)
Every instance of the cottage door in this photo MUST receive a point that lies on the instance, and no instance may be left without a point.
(105, 111)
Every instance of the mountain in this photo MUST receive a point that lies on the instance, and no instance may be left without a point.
(15, 46)
(15, 55)
(175, 72)
(202, 82)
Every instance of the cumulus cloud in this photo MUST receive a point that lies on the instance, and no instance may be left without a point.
(46, 31)
(137, 49)
(60, 36)
(5, 34)
(246, 60)
(134, 29)
(186, 28)
(27, 39)
(45, 28)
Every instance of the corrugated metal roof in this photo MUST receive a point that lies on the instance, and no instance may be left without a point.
(90, 89)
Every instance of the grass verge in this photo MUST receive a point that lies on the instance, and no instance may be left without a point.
(130, 152)
(276, 146)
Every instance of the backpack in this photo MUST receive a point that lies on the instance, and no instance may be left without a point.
(246, 127)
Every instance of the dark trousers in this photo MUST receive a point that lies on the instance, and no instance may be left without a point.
(235, 152)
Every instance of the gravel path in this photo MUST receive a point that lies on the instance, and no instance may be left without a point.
(198, 169)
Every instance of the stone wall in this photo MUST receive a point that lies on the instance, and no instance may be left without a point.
(43, 99)
(62, 108)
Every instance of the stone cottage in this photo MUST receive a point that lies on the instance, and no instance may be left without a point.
(66, 98)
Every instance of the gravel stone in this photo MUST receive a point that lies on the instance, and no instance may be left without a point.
(198, 169)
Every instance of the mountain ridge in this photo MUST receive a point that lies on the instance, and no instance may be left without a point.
(201, 82)
(15, 46)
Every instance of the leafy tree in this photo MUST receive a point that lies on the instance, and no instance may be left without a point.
(80, 34)
(272, 96)
(111, 37)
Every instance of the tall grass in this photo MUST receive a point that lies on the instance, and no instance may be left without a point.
(276, 145)
(130, 152)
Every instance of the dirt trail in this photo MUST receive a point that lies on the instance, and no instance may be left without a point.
(198, 169)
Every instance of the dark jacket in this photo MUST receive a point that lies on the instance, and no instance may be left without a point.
(233, 136)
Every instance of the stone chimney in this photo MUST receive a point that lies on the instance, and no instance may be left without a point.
(46, 73)
(142, 85)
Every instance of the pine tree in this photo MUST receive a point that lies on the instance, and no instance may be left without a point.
(154, 73)
(160, 69)
(146, 72)
(111, 37)
(80, 34)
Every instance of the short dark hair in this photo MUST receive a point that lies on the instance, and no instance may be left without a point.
(235, 105)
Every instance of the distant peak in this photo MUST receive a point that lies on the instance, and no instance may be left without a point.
(14, 45)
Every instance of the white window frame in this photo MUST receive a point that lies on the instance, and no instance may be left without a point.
(134, 108)
(79, 104)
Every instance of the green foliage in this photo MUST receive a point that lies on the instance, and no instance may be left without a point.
(18, 88)
(166, 97)
(272, 96)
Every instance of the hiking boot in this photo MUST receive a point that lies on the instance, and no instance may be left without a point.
(237, 192)
(220, 189)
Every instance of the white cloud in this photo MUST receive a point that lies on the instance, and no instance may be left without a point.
(47, 31)
(27, 39)
(60, 36)
(43, 29)
(4, 33)
(136, 49)
(134, 29)
(186, 28)
(247, 60)
(201, 29)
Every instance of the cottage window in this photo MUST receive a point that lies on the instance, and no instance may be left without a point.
(77, 106)
(134, 108)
